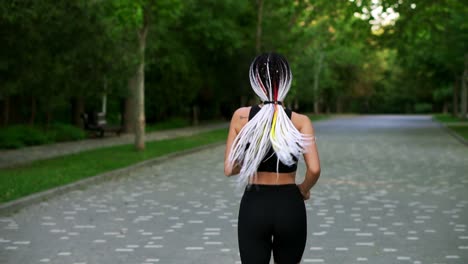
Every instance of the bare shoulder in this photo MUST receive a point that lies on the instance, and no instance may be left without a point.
(301, 121)
(299, 118)
(241, 113)
(240, 118)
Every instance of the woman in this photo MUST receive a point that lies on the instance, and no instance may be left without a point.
(263, 147)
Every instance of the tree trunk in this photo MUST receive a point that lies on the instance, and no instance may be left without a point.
(463, 99)
(339, 105)
(318, 69)
(445, 107)
(129, 108)
(258, 39)
(140, 86)
(196, 115)
(77, 109)
(48, 118)
(464, 92)
(296, 104)
(455, 98)
(6, 110)
(32, 118)
(104, 98)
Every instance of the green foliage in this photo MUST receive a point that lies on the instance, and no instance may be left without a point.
(460, 130)
(318, 117)
(422, 108)
(64, 132)
(446, 118)
(201, 60)
(55, 50)
(442, 94)
(429, 37)
(198, 53)
(457, 124)
(175, 122)
(18, 136)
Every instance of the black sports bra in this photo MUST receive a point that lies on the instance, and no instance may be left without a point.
(270, 161)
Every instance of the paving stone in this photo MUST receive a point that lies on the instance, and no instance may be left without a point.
(393, 190)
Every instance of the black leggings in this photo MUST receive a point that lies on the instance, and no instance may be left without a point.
(272, 218)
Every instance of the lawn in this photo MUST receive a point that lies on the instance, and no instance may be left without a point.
(456, 124)
(42, 175)
(168, 124)
(447, 118)
(314, 117)
(460, 130)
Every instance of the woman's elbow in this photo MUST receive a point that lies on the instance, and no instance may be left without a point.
(314, 171)
(228, 170)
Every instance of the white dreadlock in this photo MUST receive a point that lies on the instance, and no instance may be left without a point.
(270, 126)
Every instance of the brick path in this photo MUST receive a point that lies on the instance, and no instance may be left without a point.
(394, 189)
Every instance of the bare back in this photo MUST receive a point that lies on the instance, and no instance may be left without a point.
(301, 122)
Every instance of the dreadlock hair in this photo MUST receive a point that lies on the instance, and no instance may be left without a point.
(270, 78)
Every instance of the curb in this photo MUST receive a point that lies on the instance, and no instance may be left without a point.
(14, 206)
(451, 132)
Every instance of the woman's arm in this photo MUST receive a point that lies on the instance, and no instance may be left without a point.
(311, 157)
(238, 120)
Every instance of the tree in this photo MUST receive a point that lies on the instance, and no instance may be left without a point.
(49, 47)
(133, 17)
(258, 36)
(430, 38)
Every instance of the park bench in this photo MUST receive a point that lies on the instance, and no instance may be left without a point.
(99, 124)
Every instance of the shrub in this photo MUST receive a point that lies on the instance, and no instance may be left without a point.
(17, 136)
(65, 132)
(10, 144)
(421, 108)
(21, 135)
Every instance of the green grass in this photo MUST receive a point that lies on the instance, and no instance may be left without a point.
(176, 122)
(447, 118)
(314, 117)
(42, 175)
(168, 124)
(460, 130)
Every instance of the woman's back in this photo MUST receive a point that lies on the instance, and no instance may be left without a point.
(272, 215)
(240, 118)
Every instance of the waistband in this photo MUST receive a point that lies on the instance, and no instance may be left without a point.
(270, 187)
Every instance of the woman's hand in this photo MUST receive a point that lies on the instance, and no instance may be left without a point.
(237, 168)
(305, 193)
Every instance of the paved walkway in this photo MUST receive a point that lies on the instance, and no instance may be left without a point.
(394, 189)
(25, 155)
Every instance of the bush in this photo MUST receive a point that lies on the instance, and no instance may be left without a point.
(10, 144)
(422, 108)
(21, 135)
(18, 136)
(64, 132)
